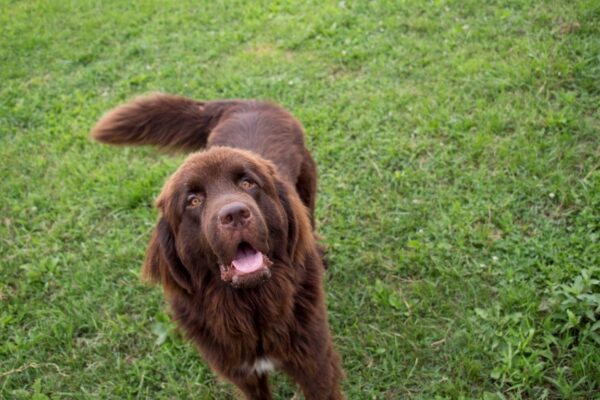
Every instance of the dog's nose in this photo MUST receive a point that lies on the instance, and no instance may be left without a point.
(235, 215)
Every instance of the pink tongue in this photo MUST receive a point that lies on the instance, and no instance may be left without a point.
(247, 260)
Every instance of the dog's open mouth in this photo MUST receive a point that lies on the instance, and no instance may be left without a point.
(249, 267)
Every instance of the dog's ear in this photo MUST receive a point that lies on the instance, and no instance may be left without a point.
(299, 226)
(162, 263)
(152, 263)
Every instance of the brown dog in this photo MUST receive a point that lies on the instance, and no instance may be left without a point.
(234, 248)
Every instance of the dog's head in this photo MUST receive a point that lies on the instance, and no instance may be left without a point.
(225, 214)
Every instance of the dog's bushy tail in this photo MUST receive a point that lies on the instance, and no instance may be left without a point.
(169, 122)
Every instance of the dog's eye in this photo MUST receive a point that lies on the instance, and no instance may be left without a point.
(194, 200)
(247, 184)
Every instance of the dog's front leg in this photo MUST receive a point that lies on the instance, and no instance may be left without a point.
(253, 386)
(318, 379)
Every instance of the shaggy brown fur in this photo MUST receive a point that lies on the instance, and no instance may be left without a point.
(234, 248)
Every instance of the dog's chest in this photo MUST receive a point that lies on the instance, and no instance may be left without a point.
(261, 366)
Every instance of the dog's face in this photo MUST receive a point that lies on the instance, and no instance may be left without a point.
(224, 214)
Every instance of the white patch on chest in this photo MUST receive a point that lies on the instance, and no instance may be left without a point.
(261, 366)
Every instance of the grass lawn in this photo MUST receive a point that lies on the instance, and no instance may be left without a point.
(458, 145)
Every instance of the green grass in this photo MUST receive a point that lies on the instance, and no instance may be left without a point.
(458, 144)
